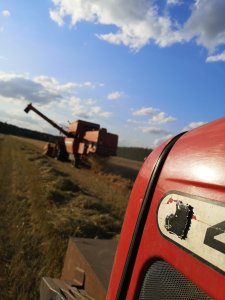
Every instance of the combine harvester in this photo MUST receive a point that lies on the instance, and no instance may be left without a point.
(82, 138)
(172, 243)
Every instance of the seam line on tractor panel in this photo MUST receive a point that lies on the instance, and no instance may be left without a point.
(141, 220)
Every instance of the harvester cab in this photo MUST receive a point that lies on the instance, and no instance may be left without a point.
(172, 242)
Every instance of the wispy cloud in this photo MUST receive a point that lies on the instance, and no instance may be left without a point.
(132, 121)
(55, 16)
(115, 95)
(156, 116)
(193, 125)
(160, 140)
(174, 2)
(153, 130)
(162, 118)
(85, 109)
(6, 13)
(216, 57)
(145, 111)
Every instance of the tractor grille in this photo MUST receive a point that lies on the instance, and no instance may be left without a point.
(164, 282)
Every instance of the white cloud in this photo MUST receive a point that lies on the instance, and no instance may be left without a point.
(140, 22)
(89, 84)
(193, 125)
(153, 130)
(135, 121)
(206, 24)
(216, 57)
(15, 116)
(86, 108)
(174, 2)
(53, 86)
(145, 111)
(96, 110)
(56, 17)
(1, 29)
(50, 93)
(89, 101)
(39, 89)
(6, 13)
(23, 87)
(159, 118)
(115, 95)
(159, 141)
(162, 118)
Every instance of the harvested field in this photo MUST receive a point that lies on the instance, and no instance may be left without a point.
(43, 202)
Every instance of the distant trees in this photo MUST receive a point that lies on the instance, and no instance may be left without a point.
(134, 153)
(15, 130)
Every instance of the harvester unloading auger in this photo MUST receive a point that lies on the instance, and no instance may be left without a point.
(80, 139)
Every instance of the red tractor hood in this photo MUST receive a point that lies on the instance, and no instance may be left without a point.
(178, 216)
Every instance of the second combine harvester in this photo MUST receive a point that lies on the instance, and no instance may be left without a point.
(80, 139)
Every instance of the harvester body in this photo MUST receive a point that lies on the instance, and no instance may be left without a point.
(80, 139)
(101, 142)
(81, 127)
(172, 242)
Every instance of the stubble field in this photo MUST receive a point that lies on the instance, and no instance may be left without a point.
(43, 202)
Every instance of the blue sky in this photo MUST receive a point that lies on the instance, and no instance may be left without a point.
(145, 70)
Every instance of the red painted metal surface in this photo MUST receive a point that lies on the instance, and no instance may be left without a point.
(49, 150)
(194, 166)
(134, 205)
(101, 142)
(87, 265)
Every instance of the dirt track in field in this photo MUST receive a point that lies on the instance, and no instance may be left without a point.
(42, 203)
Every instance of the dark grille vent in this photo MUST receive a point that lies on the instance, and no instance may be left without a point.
(163, 282)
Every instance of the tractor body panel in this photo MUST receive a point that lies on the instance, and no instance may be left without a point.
(186, 221)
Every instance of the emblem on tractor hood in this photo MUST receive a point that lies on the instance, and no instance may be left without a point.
(195, 224)
(179, 222)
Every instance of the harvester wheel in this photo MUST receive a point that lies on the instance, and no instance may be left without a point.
(61, 153)
(76, 161)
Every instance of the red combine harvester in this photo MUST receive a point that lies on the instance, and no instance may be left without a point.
(172, 243)
(81, 139)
